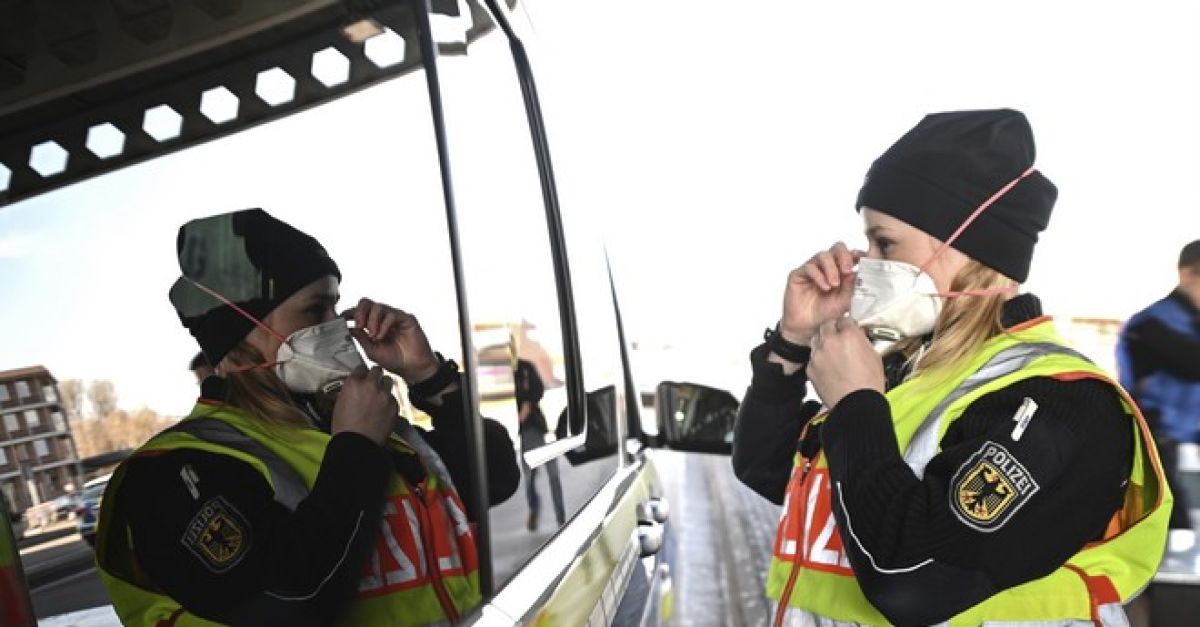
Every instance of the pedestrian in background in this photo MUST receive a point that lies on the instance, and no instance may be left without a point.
(533, 429)
(1158, 355)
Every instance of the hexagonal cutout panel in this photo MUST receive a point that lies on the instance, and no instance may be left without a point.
(331, 67)
(385, 49)
(275, 86)
(48, 158)
(105, 140)
(219, 105)
(162, 123)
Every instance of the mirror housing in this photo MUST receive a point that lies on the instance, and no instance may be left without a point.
(694, 417)
(601, 440)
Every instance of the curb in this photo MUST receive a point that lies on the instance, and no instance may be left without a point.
(46, 536)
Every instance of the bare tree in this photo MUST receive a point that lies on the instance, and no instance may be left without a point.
(103, 397)
(137, 427)
(117, 431)
(87, 435)
(109, 428)
(71, 397)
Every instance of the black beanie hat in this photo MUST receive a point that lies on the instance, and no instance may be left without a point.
(948, 165)
(251, 259)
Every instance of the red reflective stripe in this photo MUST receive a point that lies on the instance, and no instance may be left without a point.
(1101, 591)
(431, 558)
(170, 620)
(798, 496)
(1104, 590)
(785, 596)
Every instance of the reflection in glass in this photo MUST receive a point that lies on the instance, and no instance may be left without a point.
(601, 438)
(512, 293)
(533, 431)
(360, 173)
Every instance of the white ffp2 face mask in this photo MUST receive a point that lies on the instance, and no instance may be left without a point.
(313, 357)
(894, 300)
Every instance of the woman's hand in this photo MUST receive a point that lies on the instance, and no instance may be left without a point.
(393, 339)
(365, 405)
(843, 361)
(817, 292)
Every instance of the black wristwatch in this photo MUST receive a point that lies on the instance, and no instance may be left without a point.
(447, 373)
(790, 351)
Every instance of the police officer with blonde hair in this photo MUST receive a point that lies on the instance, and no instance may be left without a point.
(981, 472)
(294, 493)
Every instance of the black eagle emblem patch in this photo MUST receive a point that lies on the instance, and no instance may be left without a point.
(218, 534)
(990, 487)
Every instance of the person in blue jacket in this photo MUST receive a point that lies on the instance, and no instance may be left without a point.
(1158, 355)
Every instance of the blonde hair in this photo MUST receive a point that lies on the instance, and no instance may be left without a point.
(964, 324)
(259, 392)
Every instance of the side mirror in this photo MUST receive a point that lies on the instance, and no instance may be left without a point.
(601, 440)
(694, 417)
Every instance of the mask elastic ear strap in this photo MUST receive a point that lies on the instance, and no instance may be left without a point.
(987, 291)
(234, 307)
(962, 227)
(217, 295)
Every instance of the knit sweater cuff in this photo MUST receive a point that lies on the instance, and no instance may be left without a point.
(770, 383)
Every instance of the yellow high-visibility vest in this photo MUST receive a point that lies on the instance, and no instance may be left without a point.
(424, 569)
(812, 576)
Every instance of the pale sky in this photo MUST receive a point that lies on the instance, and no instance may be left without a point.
(715, 144)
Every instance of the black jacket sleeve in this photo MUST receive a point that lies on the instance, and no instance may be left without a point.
(449, 439)
(221, 546)
(1162, 348)
(991, 512)
(768, 426)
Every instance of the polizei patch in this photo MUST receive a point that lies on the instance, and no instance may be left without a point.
(990, 487)
(218, 534)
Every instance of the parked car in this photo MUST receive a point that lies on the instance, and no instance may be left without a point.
(492, 242)
(93, 494)
(68, 506)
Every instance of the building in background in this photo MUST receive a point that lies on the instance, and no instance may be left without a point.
(38, 462)
(1094, 337)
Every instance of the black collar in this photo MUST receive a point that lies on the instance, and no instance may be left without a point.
(1020, 309)
(214, 388)
(1183, 299)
